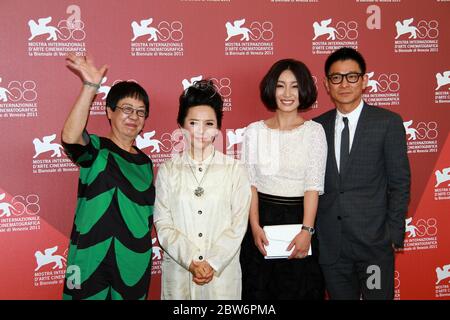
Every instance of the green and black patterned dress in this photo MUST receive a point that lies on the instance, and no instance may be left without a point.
(110, 246)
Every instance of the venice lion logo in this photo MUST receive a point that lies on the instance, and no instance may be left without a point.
(43, 259)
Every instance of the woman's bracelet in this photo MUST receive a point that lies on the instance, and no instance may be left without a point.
(90, 84)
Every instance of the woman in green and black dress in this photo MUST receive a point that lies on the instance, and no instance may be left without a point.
(110, 246)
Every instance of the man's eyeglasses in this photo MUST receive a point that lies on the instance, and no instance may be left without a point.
(351, 77)
(127, 109)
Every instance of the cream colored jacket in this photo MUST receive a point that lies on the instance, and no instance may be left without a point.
(210, 227)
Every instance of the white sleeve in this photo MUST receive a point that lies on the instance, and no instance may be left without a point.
(249, 154)
(317, 150)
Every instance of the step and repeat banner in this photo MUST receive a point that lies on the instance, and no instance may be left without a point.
(165, 46)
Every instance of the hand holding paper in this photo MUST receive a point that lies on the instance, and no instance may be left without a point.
(300, 246)
(281, 237)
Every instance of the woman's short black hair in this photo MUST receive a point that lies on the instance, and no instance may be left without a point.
(127, 89)
(343, 54)
(307, 91)
(202, 92)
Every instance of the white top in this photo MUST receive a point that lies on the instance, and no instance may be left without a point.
(210, 227)
(353, 118)
(286, 162)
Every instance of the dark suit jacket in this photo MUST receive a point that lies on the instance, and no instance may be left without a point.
(368, 204)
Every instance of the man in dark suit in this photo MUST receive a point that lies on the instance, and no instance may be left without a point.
(361, 216)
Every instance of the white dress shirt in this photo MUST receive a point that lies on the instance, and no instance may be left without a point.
(353, 118)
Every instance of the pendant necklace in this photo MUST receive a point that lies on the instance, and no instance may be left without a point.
(199, 191)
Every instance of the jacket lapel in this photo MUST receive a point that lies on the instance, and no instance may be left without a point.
(329, 132)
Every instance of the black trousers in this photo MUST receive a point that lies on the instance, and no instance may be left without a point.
(352, 279)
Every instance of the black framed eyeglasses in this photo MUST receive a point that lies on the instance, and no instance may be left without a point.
(127, 109)
(351, 77)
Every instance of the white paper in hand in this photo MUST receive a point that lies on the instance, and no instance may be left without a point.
(279, 237)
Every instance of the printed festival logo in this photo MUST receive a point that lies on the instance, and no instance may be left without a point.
(19, 213)
(442, 186)
(157, 39)
(329, 35)
(443, 274)
(160, 148)
(18, 99)
(49, 156)
(442, 90)
(397, 283)
(382, 89)
(157, 256)
(50, 266)
(147, 141)
(187, 83)
(421, 137)
(49, 38)
(421, 234)
(235, 137)
(222, 85)
(253, 38)
(442, 285)
(416, 37)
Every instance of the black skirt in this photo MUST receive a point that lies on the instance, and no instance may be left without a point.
(279, 279)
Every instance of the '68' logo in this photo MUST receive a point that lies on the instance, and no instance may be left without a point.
(383, 83)
(19, 205)
(342, 30)
(18, 91)
(164, 31)
(223, 86)
(423, 227)
(255, 31)
(71, 28)
(422, 131)
(423, 30)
